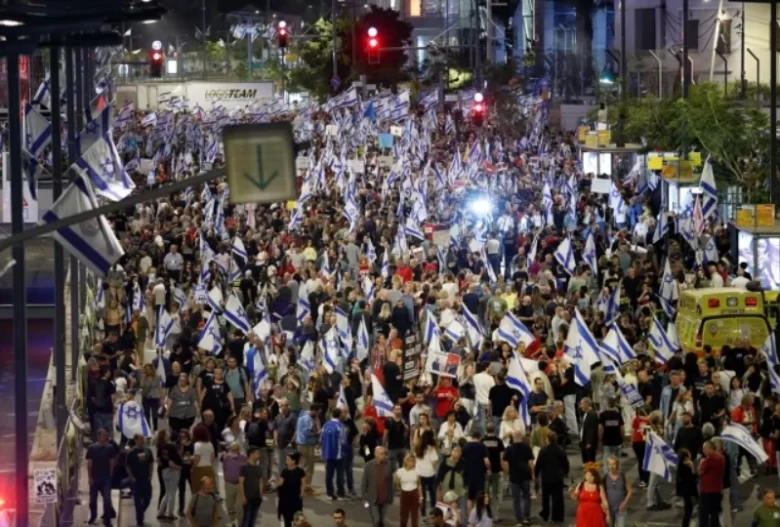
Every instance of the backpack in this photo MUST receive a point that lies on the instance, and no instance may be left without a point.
(253, 436)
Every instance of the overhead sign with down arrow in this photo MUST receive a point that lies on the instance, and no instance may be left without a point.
(260, 162)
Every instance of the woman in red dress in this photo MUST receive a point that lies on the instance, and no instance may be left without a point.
(592, 509)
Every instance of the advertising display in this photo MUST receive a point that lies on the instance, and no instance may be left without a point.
(231, 95)
(767, 267)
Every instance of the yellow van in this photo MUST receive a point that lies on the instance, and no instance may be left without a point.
(720, 316)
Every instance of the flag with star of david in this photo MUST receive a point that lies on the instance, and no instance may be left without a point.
(97, 128)
(131, 420)
(103, 166)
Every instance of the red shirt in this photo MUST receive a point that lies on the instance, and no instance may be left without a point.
(711, 474)
(405, 272)
(748, 419)
(639, 422)
(443, 403)
(370, 411)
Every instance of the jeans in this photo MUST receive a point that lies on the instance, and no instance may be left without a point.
(607, 452)
(334, 466)
(653, 492)
(142, 496)
(346, 468)
(170, 479)
(709, 509)
(618, 518)
(495, 491)
(251, 512)
(104, 488)
(377, 513)
(521, 500)
(104, 420)
(396, 457)
(429, 493)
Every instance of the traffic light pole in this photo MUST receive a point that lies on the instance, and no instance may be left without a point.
(334, 38)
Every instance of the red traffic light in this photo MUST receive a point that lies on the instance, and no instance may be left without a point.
(478, 108)
(156, 55)
(282, 32)
(372, 43)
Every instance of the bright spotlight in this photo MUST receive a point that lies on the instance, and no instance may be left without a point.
(372, 32)
(282, 24)
(481, 206)
(478, 97)
(157, 45)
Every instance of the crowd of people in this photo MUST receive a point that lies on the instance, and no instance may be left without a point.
(255, 342)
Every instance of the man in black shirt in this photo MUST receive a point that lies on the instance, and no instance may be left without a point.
(501, 396)
(712, 406)
(495, 450)
(689, 436)
(101, 456)
(537, 400)
(610, 431)
(250, 486)
(396, 438)
(519, 462)
(140, 465)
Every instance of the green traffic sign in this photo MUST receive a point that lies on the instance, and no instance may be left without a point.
(260, 182)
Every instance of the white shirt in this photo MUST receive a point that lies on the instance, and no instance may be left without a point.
(483, 382)
(717, 280)
(493, 246)
(740, 282)
(508, 429)
(159, 294)
(425, 465)
(408, 479)
(206, 452)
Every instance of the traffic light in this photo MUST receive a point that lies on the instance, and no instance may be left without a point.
(156, 60)
(372, 46)
(282, 34)
(478, 110)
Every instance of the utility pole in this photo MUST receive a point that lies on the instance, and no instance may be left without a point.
(334, 38)
(773, 101)
(686, 76)
(623, 58)
(490, 31)
(743, 79)
(203, 33)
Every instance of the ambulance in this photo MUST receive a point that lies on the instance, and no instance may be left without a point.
(721, 316)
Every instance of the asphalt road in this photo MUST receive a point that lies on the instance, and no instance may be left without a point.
(319, 509)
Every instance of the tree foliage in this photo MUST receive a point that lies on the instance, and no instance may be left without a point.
(735, 133)
(316, 52)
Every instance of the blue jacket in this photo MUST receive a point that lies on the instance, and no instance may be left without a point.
(304, 430)
(332, 440)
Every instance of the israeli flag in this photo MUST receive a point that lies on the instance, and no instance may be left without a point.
(582, 349)
(385, 270)
(383, 404)
(368, 289)
(612, 310)
(661, 226)
(325, 267)
(303, 308)
(770, 350)
(455, 330)
(370, 251)
(666, 307)
(307, 357)
(163, 327)
(37, 131)
(210, 338)
(741, 436)
(532, 253)
(711, 252)
(616, 347)
(235, 314)
(260, 373)
(431, 329)
(214, 299)
(511, 330)
(664, 348)
(131, 421)
(709, 190)
(669, 286)
(590, 254)
(565, 256)
(93, 242)
(102, 165)
(659, 457)
(473, 327)
(95, 130)
(330, 351)
(238, 249)
(516, 377)
(413, 230)
(342, 400)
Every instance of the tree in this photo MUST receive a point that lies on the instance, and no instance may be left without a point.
(316, 54)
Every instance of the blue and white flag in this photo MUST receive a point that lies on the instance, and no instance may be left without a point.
(341, 402)
(259, 372)
(214, 299)
(102, 165)
(659, 457)
(37, 131)
(612, 309)
(709, 193)
(711, 252)
(130, 420)
(473, 327)
(664, 348)
(511, 330)
(431, 329)
(93, 242)
(363, 342)
(383, 403)
(741, 436)
(565, 256)
(769, 349)
(303, 309)
(161, 369)
(235, 314)
(210, 338)
(163, 327)
(616, 347)
(331, 353)
(669, 286)
(589, 256)
(95, 130)
(582, 349)
(516, 377)
(238, 249)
